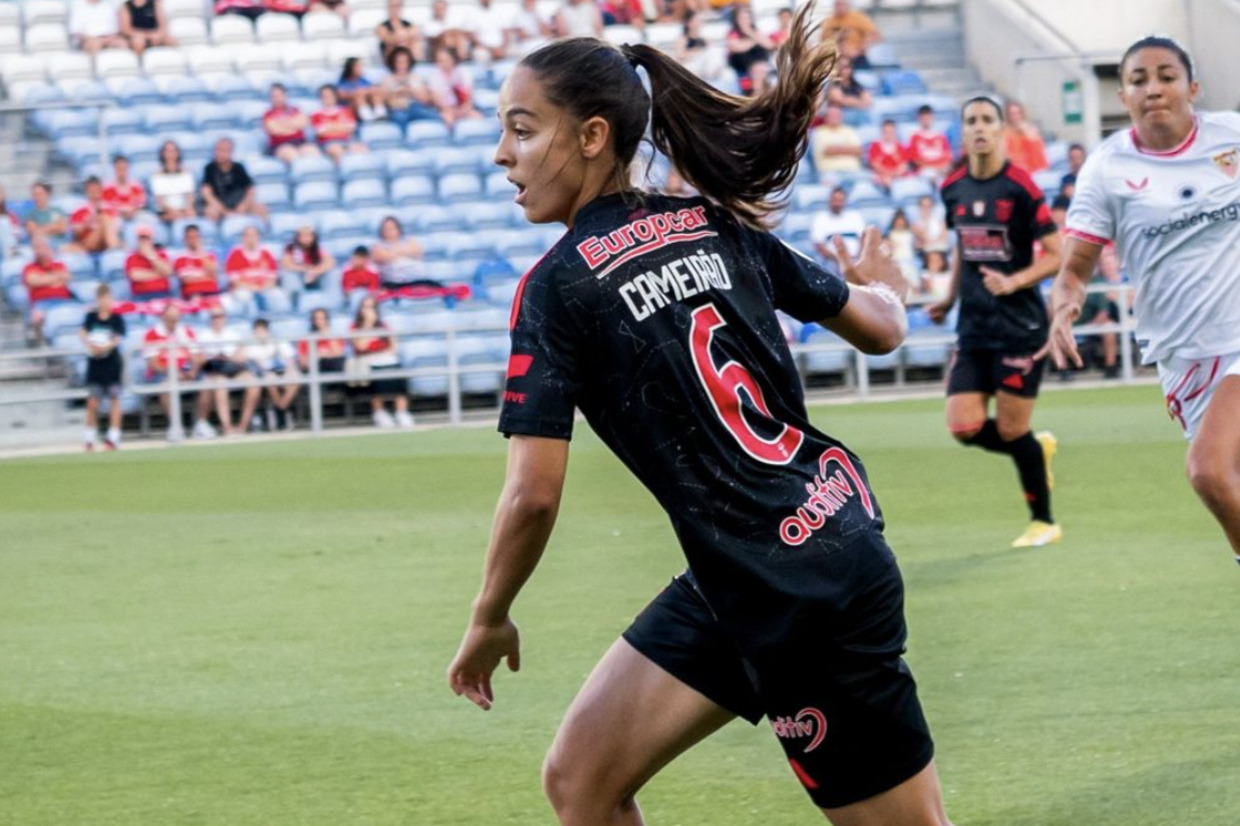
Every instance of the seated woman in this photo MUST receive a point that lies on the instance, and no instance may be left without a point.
(452, 88)
(846, 91)
(399, 258)
(405, 94)
(335, 125)
(374, 354)
(172, 187)
(253, 276)
(307, 258)
(357, 92)
(144, 25)
(265, 356)
(224, 358)
(747, 47)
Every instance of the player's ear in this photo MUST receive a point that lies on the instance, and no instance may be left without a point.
(1193, 88)
(593, 136)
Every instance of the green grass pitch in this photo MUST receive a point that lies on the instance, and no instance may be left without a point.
(256, 635)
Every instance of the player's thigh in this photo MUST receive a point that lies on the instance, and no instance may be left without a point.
(1013, 414)
(1216, 445)
(966, 413)
(630, 719)
(917, 801)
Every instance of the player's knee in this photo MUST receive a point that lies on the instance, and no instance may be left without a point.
(1010, 433)
(577, 794)
(1213, 477)
(964, 434)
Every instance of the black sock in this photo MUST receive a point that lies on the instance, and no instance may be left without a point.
(1031, 465)
(987, 438)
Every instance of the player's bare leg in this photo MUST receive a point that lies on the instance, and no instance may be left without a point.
(966, 414)
(1214, 459)
(630, 719)
(917, 801)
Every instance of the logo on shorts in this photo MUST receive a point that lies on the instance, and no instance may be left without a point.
(810, 723)
(1228, 162)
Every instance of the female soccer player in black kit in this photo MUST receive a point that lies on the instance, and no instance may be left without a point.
(998, 212)
(655, 316)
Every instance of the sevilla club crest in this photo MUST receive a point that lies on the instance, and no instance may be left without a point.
(1228, 162)
(1003, 210)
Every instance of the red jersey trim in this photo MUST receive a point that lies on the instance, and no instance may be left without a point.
(1085, 236)
(1168, 153)
(1020, 176)
(955, 176)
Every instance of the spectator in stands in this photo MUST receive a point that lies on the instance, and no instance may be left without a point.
(373, 355)
(487, 27)
(930, 226)
(835, 146)
(360, 274)
(253, 275)
(122, 196)
(936, 276)
(227, 188)
(337, 7)
(94, 226)
(172, 345)
(335, 126)
(527, 23)
(928, 147)
(407, 96)
(330, 353)
(1022, 141)
(846, 91)
(293, 8)
(694, 53)
(224, 358)
(887, 157)
(837, 220)
(94, 26)
(197, 267)
(143, 24)
(623, 13)
(853, 30)
(1103, 308)
(398, 33)
(251, 9)
(780, 36)
(903, 245)
(10, 228)
(45, 219)
(47, 284)
(452, 88)
(305, 257)
(747, 47)
(172, 186)
(265, 356)
(102, 334)
(399, 258)
(285, 126)
(357, 92)
(148, 269)
(447, 28)
(578, 18)
(1076, 159)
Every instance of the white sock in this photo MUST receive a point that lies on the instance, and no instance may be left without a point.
(89, 435)
(114, 435)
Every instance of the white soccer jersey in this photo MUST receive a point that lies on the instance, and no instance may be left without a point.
(1175, 219)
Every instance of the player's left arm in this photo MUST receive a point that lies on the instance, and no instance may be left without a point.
(524, 517)
(873, 320)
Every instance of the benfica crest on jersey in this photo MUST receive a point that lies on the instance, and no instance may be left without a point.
(979, 209)
(1003, 210)
(1228, 162)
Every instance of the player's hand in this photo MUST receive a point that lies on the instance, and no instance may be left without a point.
(874, 266)
(478, 657)
(1061, 344)
(996, 282)
(939, 310)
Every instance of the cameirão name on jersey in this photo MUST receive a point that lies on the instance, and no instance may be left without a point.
(675, 281)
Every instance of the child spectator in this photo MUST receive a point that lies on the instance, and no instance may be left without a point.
(407, 97)
(45, 220)
(358, 93)
(252, 273)
(148, 269)
(373, 355)
(835, 145)
(1022, 141)
(196, 267)
(399, 258)
(335, 126)
(398, 33)
(903, 245)
(47, 284)
(330, 353)
(227, 188)
(452, 88)
(266, 356)
(143, 24)
(102, 333)
(122, 196)
(361, 274)
(173, 187)
(928, 148)
(886, 158)
(95, 227)
(936, 277)
(285, 126)
(94, 26)
(930, 226)
(170, 345)
(307, 258)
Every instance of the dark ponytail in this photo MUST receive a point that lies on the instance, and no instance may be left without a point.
(740, 152)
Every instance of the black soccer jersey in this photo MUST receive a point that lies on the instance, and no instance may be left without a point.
(104, 370)
(655, 316)
(996, 222)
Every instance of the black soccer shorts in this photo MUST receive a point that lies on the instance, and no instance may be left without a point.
(837, 692)
(995, 371)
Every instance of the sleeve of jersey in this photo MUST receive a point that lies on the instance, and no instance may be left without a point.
(803, 289)
(541, 389)
(1043, 222)
(1090, 217)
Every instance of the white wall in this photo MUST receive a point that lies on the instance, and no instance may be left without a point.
(1111, 25)
(1214, 31)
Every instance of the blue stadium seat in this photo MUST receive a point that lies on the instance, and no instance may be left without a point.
(234, 88)
(458, 160)
(233, 226)
(480, 132)
(486, 101)
(460, 187)
(517, 243)
(207, 116)
(427, 134)
(878, 216)
(196, 149)
(796, 227)
(47, 93)
(903, 82)
(469, 245)
(436, 219)
(312, 169)
(413, 191)
(136, 91)
(249, 113)
(1048, 181)
(274, 196)
(264, 170)
(363, 167)
(838, 359)
(315, 195)
(497, 183)
(337, 224)
(866, 194)
(138, 148)
(112, 264)
(489, 215)
(380, 135)
(403, 162)
(282, 227)
(70, 123)
(858, 117)
(362, 194)
(902, 109)
(882, 56)
(63, 318)
(123, 122)
(162, 119)
(910, 188)
(186, 90)
(810, 196)
(430, 354)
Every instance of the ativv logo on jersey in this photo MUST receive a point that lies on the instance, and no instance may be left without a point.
(809, 723)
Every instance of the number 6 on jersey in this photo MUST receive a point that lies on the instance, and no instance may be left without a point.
(724, 386)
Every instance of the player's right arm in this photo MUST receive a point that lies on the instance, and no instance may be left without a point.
(1080, 259)
(524, 518)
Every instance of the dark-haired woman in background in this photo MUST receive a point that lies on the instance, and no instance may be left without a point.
(357, 92)
(306, 257)
(792, 607)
